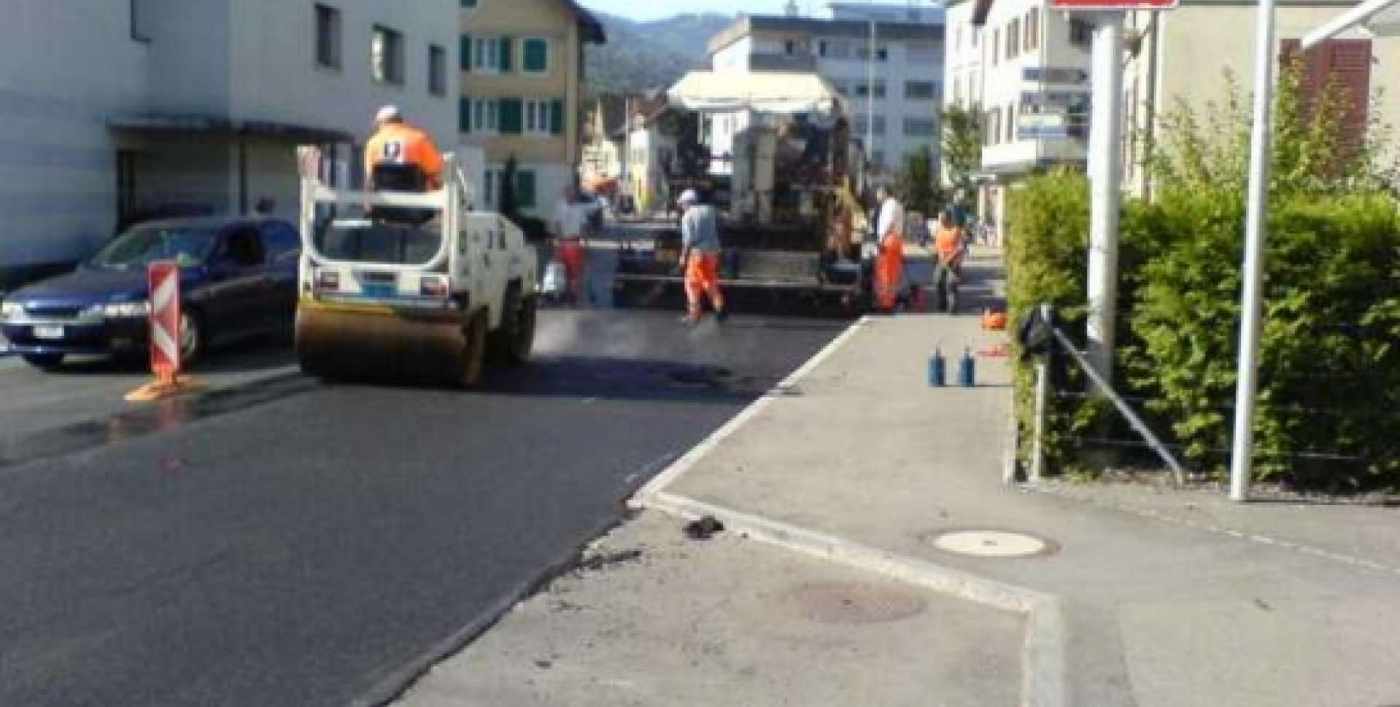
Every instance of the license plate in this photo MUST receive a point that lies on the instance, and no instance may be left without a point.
(48, 332)
(379, 291)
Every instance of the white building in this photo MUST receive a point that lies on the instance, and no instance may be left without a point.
(122, 109)
(907, 64)
(1026, 70)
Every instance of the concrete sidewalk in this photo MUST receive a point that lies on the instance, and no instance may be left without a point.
(868, 474)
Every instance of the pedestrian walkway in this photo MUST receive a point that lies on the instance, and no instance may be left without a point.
(869, 475)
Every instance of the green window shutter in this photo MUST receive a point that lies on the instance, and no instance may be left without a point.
(556, 117)
(464, 114)
(505, 54)
(525, 189)
(536, 55)
(466, 52)
(512, 113)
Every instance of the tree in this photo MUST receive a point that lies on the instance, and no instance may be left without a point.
(962, 145)
(915, 182)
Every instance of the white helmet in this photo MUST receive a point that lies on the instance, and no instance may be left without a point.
(688, 197)
(387, 114)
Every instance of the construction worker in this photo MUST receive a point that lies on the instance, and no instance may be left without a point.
(889, 264)
(571, 223)
(397, 142)
(950, 245)
(700, 251)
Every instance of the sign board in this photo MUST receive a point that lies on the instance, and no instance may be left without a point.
(1055, 74)
(1101, 5)
(164, 280)
(1065, 101)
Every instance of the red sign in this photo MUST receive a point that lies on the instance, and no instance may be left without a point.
(164, 281)
(1072, 5)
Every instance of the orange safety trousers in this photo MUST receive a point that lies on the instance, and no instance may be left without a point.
(889, 269)
(573, 255)
(702, 278)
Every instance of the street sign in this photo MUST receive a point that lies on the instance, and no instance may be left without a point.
(164, 280)
(1100, 5)
(1069, 101)
(1054, 74)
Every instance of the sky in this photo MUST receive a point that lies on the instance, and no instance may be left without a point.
(658, 9)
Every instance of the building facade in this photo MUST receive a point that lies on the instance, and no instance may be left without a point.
(522, 86)
(159, 107)
(1025, 70)
(906, 59)
(1188, 57)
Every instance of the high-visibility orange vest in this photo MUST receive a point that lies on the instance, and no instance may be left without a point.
(401, 143)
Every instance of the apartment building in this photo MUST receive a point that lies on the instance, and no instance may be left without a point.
(522, 82)
(1182, 58)
(1025, 69)
(119, 110)
(906, 57)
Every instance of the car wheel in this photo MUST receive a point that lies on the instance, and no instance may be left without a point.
(511, 344)
(47, 362)
(192, 338)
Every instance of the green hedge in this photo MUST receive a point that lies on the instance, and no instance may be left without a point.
(1330, 352)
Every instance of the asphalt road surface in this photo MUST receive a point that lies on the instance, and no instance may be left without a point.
(277, 541)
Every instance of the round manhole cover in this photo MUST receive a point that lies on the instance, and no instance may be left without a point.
(854, 603)
(991, 543)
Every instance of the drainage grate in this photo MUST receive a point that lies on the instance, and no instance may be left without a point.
(991, 543)
(854, 603)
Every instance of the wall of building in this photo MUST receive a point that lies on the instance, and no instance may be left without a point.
(57, 165)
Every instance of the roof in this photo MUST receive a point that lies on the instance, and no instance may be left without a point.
(746, 25)
(592, 28)
(769, 92)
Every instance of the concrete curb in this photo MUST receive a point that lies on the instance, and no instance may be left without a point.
(1042, 653)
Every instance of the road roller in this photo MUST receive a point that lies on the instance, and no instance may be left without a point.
(411, 285)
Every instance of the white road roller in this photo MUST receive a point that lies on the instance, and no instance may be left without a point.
(410, 284)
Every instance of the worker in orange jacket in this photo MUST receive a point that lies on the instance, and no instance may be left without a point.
(889, 265)
(950, 246)
(395, 141)
(700, 250)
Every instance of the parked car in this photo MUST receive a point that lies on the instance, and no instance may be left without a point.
(238, 278)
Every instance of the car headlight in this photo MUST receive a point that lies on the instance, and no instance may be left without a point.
(11, 310)
(126, 310)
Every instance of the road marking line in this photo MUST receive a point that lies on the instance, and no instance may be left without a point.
(699, 451)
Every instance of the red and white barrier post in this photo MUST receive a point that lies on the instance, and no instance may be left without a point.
(163, 280)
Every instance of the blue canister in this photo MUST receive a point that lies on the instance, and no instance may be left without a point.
(937, 368)
(967, 370)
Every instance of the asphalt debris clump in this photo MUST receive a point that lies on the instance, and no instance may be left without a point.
(704, 528)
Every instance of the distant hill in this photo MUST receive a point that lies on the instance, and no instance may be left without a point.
(647, 55)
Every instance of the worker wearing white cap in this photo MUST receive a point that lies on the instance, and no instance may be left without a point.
(700, 249)
(395, 141)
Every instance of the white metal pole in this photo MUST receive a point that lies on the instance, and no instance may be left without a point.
(1105, 168)
(1042, 393)
(1256, 232)
(870, 96)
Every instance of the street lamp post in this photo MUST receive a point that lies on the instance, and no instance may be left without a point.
(1105, 169)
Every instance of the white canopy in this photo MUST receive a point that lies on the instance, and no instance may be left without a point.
(780, 93)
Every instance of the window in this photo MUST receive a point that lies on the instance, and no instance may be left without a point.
(493, 55)
(386, 55)
(1081, 32)
(882, 54)
(996, 45)
(863, 89)
(480, 115)
(137, 20)
(957, 90)
(789, 47)
(537, 118)
(536, 56)
(920, 90)
(918, 127)
(1011, 123)
(327, 37)
(437, 70)
(821, 48)
(525, 188)
(488, 183)
(468, 3)
(1033, 29)
(1013, 39)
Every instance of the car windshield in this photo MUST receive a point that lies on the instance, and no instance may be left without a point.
(186, 245)
(375, 242)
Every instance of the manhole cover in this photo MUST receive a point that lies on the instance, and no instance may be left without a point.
(852, 603)
(991, 543)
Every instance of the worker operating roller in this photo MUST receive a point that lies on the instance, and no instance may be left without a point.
(397, 143)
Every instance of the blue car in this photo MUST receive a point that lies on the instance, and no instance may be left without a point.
(238, 278)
